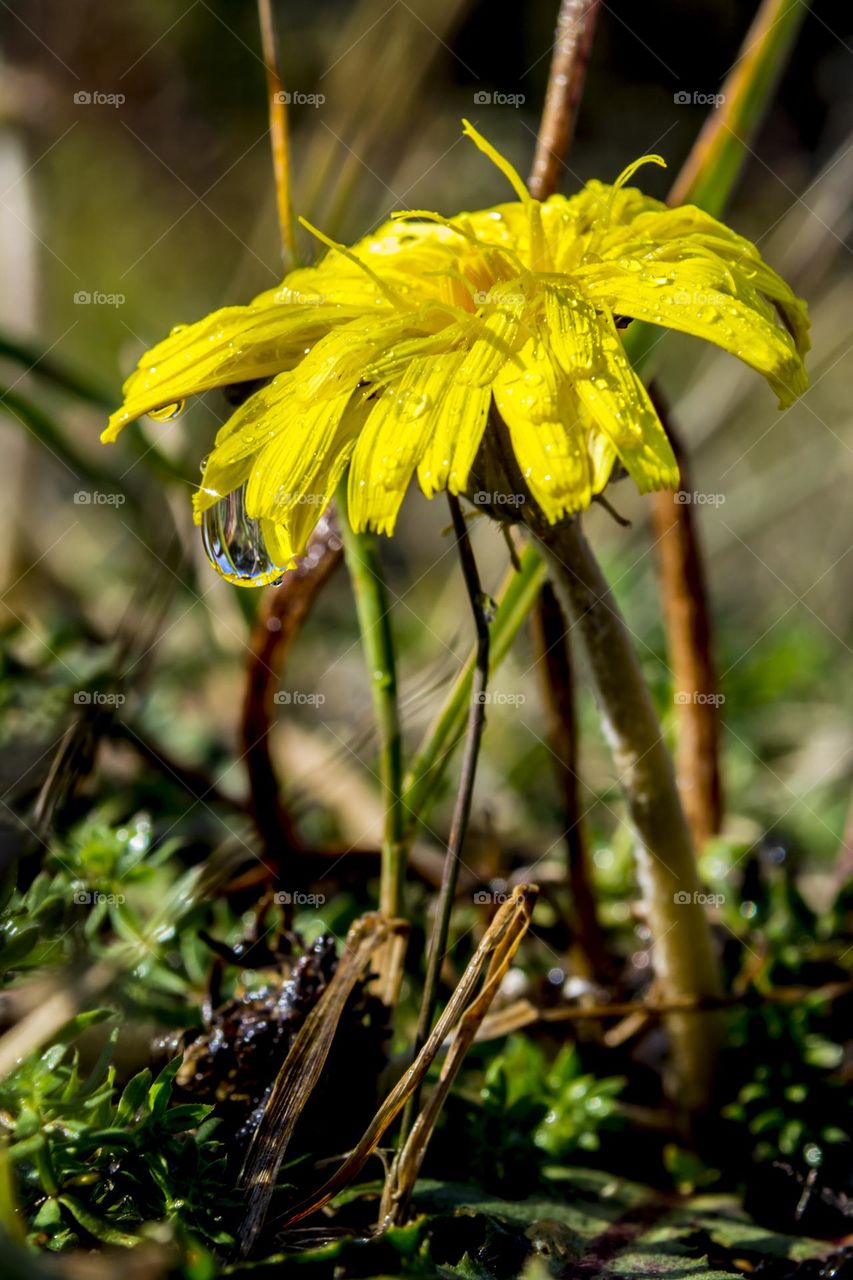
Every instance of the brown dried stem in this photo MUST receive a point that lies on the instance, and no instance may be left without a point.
(687, 617)
(279, 620)
(554, 661)
(572, 45)
(279, 134)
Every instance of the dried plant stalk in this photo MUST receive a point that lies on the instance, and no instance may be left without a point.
(510, 923)
(689, 646)
(404, 1173)
(301, 1070)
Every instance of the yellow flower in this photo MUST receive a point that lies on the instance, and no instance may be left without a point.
(395, 356)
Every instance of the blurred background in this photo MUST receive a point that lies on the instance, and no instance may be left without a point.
(136, 195)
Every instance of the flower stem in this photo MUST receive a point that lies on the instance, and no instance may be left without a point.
(374, 619)
(685, 963)
(462, 809)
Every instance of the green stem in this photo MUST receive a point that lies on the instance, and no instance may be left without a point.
(710, 172)
(374, 619)
(685, 963)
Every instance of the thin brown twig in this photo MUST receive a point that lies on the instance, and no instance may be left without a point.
(279, 133)
(687, 616)
(572, 46)
(554, 662)
(462, 810)
(280, 618)
(523, 1013)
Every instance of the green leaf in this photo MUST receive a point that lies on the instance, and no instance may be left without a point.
(97, 1227)
(134, 1095)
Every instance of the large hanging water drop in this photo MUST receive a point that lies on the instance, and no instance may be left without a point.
(234, 543)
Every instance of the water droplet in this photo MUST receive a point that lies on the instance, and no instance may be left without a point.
(413, 403)
(167, 412)
(177, 328)
(235, 545)
(488, 605)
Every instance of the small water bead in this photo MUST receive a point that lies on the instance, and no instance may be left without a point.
(167, 412)
(234, 543)
(488, 606)
(413, 403)
(176, 329)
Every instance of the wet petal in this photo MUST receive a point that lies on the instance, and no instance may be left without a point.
(393, 440)
(546, 429)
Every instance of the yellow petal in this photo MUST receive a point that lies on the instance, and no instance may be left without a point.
(500, 335)
(683, 296)
(393, 440)
(457, 421)
(236, 344)
(546, 429)
(289, 471)
(618, 405)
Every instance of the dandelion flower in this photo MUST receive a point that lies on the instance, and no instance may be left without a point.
(406, 352)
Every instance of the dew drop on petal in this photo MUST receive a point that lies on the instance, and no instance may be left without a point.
(234, 543)
(167, 412)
